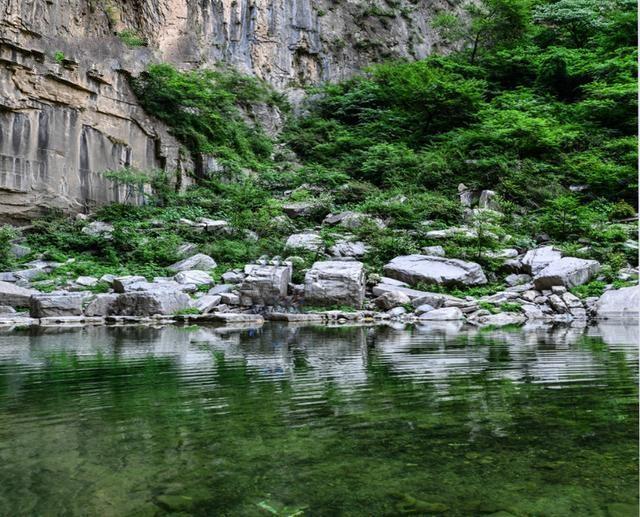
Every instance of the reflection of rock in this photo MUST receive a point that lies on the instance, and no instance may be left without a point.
(616, 332)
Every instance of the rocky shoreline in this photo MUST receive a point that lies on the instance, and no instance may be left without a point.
(334, 290)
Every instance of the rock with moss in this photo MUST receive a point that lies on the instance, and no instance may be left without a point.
(307, 241)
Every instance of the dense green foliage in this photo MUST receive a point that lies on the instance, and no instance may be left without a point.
(202, 108)
(539, 99)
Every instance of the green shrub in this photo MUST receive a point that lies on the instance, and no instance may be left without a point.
(7, 234)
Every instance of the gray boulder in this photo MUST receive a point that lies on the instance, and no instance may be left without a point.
(265, 284)
(101, 305)
(391, 299)
(99, 229)
(207, 302)
(513, 279)
(335, 282)
(619, 303)
(121, 283)
(353, 220)
(194, 277)
(444, 314)
(14, 295)
(305, 241)
(148, 303)
(199, 261)
(19, 250)
(435, 270)
(221, 289)
(434, 251)
(346, 248)
(188, 249)
(299, 208)
(488, 200)
(86, 281)
(537, 259)
(233, 277)
(425, 307)
(568, 272)
(47, 305)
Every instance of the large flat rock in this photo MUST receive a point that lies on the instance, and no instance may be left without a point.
(414, 269)
(15, 296)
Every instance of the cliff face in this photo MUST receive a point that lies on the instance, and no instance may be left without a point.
(67, 113)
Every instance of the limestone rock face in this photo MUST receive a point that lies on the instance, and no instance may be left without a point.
(147, 303)
(619, 303)
(335, 282)
(567, 271)
(46, 305)
(65, 121)
(435, 270)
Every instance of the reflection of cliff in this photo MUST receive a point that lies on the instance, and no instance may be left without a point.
(66, 110)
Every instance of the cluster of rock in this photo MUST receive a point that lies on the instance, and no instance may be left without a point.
(538, 289)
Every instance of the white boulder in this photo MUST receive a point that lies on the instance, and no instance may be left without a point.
(335, 282)
(435, 270)
(567, 271)
(619, 303)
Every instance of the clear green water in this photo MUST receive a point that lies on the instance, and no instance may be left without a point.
(318, 421)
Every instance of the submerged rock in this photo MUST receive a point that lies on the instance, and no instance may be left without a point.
(435, 270)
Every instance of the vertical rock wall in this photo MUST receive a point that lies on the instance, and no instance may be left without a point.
(67, 113)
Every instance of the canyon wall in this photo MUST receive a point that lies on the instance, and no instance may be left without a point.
(67, 113)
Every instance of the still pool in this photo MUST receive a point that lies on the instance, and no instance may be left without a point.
(319, 421)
